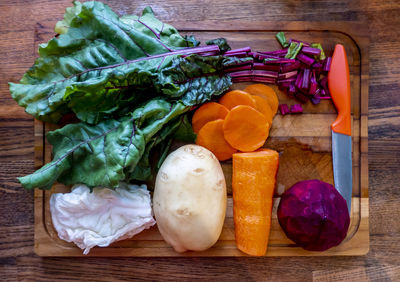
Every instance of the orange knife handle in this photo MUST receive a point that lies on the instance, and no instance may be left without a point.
(339, 86)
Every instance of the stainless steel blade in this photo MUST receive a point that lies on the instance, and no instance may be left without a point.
(342, 165)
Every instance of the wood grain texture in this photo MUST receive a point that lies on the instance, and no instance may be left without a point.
(18, 21)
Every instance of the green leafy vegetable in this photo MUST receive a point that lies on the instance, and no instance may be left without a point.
(104, 154)
(221, 42)
(185, 132)
(97, 50)
(191, 40)
(130, 80)
(163, 140)
(70, 13)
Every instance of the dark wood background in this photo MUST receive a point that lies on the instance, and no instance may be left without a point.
(18, 20)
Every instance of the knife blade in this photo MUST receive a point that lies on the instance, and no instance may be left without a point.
(339, 86)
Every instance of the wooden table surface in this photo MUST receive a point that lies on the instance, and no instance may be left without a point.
(18, 20)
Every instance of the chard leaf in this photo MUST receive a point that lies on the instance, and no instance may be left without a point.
(185, 132)
(97, 46)
(192, 79)
(179, 129)
(129, 80)
(221, 42)
(191, 41)
(164, 150)
(163, 139)
(104, 154)
(70, 13)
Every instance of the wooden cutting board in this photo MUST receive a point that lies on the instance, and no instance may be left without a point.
(304, 143)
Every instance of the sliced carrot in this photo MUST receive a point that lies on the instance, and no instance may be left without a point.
(266, 92)
(245, 128)
(253, 184)
(208, 112)
(264, 108)
(211, 136)
(237, 97)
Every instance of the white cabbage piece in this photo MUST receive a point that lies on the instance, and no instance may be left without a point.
(101, 217)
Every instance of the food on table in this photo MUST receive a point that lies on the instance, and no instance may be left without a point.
(95, 72)
(102, 155)
(236, 98)
(245, 128)
(299, 69)
(314, 215)
(246, 123)
(129, 82)
(253, 184)
(101, 217)
(190, 199)
(208, 112)
(211, 136)
(265, 92)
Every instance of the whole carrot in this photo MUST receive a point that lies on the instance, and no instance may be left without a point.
(253, 184)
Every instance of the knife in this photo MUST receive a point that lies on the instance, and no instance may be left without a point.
(339, 86)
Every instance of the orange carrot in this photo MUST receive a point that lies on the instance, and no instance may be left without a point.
(245, 128)
(211, 136)
(208, 112)
(237, 97)
(253, 184)
(266, 92)
(264, 108)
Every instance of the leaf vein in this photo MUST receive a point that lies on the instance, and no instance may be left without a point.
(105, 158)
(130, 143)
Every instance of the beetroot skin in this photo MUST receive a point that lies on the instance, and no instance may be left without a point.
(314, 215)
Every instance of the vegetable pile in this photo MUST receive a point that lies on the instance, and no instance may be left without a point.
(123, 87)
(129, 80)
(240, 121)
(299, 69)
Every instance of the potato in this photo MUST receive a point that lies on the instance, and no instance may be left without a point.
(190, 199)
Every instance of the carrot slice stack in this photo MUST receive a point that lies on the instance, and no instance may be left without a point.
(208, 112)
(245, 128)
(265, 92)
(253, 184)
(246, 118)
(211, 136)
